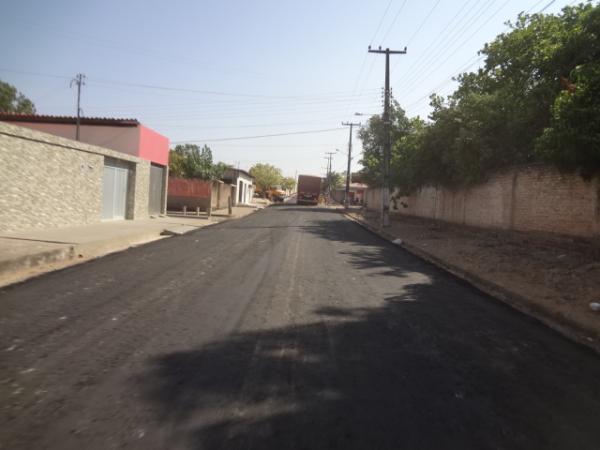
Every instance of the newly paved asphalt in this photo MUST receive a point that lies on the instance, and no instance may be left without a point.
(292, 328)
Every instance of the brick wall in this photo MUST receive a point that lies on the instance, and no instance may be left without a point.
(48, 181)
(190, 193)
(532, 198)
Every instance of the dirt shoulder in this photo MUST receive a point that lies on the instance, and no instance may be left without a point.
(553, 278)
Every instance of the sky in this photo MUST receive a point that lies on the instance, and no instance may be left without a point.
(231, 74)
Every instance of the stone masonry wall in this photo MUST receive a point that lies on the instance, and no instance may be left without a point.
(47, 181)
(531, 198)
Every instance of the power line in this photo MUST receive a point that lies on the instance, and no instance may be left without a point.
(422, 23)
(115, 45)
(367, 78)
(175, 89)
(381, 21)
(362, 66)
(435, 39)
(416, 70)
(467, 39)
(394, 21)
(477, 60)
(260, 136)
(546, 7)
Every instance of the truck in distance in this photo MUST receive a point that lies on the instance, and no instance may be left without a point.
(309, 189)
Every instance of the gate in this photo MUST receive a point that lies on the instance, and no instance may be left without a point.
(157, 189)
(114, 190)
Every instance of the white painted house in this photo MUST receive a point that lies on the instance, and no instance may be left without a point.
(242, 185)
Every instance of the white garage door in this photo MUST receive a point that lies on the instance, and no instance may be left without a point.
(114, 191)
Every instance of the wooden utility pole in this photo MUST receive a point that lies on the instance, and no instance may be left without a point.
(79, 81)
(387, 142)
(330, 155)
(348, 172)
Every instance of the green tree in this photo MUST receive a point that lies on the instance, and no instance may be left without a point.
(405, 134)
(572, 139)
(189, 161)
(176, 162)
(537, 98)
(335, 180)
(12, 101)
(288, 183)
(266, 176)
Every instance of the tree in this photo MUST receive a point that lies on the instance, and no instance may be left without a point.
(12, 101)
(405, 134)
(189, 161)
(335, 180)
(572, 139)
(537, 98)
(266, 176)
(288, 183)
(177, 158)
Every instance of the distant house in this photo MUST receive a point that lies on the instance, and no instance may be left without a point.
(356, 193)
(242, 185)
(123, 135)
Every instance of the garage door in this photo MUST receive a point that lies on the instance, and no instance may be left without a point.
(155, 199)
(114, 190)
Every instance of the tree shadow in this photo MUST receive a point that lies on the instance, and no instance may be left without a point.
(435, 367)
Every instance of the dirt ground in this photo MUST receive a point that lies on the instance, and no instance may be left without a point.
(557, 275)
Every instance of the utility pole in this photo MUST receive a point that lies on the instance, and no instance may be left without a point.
(348, 172)
(387, 142)
(330, 155)
(79, 81)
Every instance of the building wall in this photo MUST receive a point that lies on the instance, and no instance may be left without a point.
(190, 193)
(153, 146)
(48, 181)
(133, 140)
(221, 192)
(139, 189)
(532, 198)
(121, 139)
(247, 190)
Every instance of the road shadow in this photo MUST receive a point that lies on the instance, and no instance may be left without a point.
(435, 367)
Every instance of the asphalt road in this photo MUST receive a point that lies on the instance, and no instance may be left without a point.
(292, 328)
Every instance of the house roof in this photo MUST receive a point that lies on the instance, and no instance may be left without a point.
(36, 118)
(231, 172)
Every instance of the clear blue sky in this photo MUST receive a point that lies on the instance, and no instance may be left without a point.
(246, 68)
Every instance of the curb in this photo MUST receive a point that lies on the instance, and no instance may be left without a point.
(38, 259)
(33, 265)
(551, 319)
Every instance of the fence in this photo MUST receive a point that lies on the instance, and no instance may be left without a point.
(194, 193)
(531, 198)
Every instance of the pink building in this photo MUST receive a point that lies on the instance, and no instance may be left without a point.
(123, 135)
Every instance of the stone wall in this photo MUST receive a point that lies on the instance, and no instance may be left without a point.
(531, 198)
(48, 181)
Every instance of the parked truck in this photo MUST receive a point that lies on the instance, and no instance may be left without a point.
(309, 189)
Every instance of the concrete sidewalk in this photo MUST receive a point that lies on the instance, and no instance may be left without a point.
(30, 253)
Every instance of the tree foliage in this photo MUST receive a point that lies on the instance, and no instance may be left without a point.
(189, 161)
(12, 101)
(288, 183)
(406, 134)
(536, 99)
(335, 180)
(266, 176)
